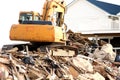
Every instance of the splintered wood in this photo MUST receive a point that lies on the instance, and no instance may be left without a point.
(37, 65)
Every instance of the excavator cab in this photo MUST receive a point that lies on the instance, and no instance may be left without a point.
(31, 17)
(28, 16)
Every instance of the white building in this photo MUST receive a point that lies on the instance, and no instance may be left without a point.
(88, 18)
(83, 16)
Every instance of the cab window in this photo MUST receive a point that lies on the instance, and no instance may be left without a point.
(25, 17)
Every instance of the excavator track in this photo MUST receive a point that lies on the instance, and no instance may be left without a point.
(55, 49)
(31, 46)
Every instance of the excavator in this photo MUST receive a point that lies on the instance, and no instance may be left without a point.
(42, 30)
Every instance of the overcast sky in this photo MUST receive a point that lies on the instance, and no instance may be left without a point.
(10, 12)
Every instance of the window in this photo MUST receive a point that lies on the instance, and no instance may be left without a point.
(25, 17)
(115, 25)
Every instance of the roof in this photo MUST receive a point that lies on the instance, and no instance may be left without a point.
(101, 33)
(108, 7)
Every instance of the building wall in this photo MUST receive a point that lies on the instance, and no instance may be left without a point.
(83, 16)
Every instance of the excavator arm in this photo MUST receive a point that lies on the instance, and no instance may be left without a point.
(54, 11)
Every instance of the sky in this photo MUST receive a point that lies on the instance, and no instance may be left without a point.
(10, 12)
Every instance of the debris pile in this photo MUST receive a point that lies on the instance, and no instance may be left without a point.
(37, 65)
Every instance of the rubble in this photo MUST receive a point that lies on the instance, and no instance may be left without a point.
(104, 52)
(36, 65)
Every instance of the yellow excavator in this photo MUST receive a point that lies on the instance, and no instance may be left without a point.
(41, 30)
(46, 27)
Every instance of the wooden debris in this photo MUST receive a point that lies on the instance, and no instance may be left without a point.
(37, 65)
(12, 50)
